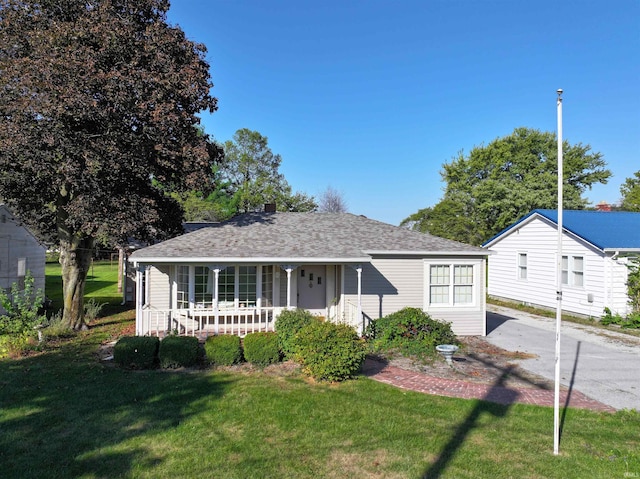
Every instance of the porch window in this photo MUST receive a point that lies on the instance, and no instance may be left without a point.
(203, 287)
(182, 291)
(522, 266)
(227, 286)
(267, 286)
(247, 286)
(451, 289)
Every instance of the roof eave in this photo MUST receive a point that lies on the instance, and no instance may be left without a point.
(252, 260)
(427, 253)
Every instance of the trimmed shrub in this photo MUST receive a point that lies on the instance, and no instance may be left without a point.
(411, 331)
(261, 349)
(223, 350)
(328, 351)
(287, 326)
(136, 352)
(178, 351)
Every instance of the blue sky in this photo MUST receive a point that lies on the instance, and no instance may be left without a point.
(372, 97)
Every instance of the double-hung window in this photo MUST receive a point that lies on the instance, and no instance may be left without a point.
(522, 266)
(573, 271)
(451, 284)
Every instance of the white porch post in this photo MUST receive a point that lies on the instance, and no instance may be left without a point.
(138, 300)
(216, 314)
(289, 269)
(359, 271)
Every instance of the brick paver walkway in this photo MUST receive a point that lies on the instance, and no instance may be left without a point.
(424, 383)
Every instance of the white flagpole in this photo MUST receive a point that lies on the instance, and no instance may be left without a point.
(556, 402)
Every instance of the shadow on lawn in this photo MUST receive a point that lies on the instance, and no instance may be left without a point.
(64, 415)
(496, 402)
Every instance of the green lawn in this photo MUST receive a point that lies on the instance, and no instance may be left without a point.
(65, 414)
(101, 283)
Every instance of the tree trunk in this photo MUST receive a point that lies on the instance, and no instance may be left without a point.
(75, 258)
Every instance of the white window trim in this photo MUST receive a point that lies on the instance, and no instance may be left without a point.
(475, 290)
(236, 301)
(520, 267)
(571, 271)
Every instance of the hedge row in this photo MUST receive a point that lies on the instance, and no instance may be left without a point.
(144, 352)
(326, 351)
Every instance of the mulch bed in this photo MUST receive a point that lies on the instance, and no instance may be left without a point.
(477, 361)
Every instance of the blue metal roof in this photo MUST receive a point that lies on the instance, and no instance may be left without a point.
(611, 230)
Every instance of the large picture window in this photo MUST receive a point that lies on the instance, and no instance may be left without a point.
(451, 284)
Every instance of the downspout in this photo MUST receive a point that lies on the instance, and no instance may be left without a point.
(611, 282)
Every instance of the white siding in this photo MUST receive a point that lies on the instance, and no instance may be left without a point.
(615, 285)
(160, 281)
(538, 239)
(17, 242)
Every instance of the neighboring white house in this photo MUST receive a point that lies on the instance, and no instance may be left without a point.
(596, 248)
(237, 276)
(20, 252)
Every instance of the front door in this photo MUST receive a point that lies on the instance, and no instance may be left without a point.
(312, 288)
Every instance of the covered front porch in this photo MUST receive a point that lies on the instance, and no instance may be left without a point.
(241, 298)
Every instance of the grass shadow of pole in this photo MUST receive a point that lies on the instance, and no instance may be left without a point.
(568, 398)
(500, 398)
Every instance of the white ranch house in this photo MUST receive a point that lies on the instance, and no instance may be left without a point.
(597, 247)
(237, 276)
(20, 252)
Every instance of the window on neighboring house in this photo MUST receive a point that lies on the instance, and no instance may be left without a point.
(448, 289)
(522, 266)
(22, 272)
(182, 282)
(573, 271)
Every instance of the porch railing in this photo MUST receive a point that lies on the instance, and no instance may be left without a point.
(206, 322)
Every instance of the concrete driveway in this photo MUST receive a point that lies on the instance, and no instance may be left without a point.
(603, 365)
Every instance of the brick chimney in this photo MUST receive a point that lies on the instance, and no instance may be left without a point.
(269, 207)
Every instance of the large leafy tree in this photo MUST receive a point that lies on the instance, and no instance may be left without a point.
(98, 104)
(497, 184)
(251, 172)
(630, 191)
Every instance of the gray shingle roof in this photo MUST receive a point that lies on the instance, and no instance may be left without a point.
(340, 236)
